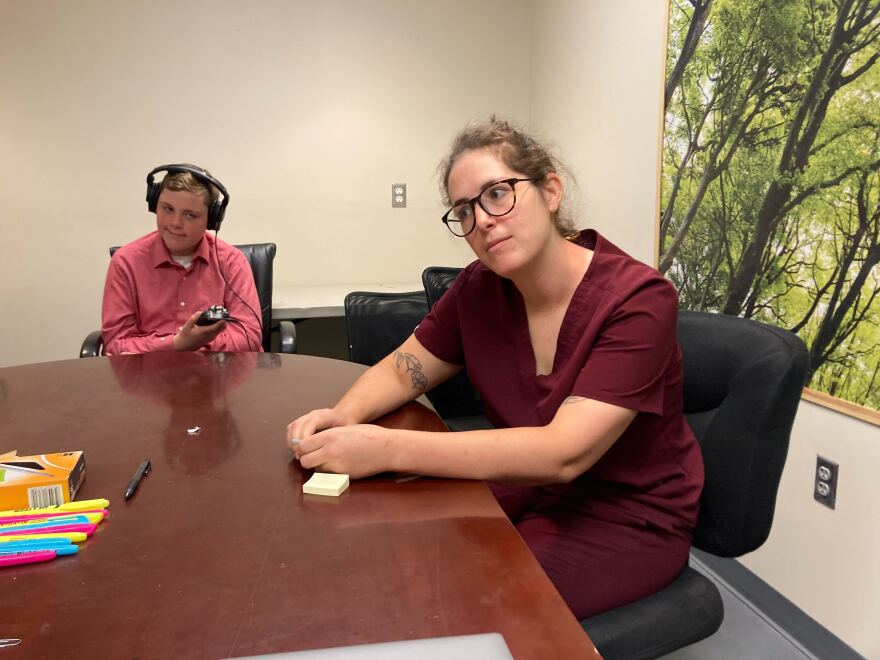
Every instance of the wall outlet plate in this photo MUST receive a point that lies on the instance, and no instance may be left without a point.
(825, 482)
(398, 195)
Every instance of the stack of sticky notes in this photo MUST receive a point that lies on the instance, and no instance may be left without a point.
(35, 535)
(323, 483)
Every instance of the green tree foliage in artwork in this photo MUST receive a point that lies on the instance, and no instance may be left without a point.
(771, 174)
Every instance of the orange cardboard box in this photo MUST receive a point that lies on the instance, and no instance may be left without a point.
(28, 482)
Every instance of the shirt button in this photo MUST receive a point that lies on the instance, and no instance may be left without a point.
(182, 304)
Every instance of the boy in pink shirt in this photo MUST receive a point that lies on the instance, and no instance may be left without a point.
(158, 285)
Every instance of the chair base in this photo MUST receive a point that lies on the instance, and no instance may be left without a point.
(688, 610)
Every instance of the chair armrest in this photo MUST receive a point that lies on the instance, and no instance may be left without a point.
(93, 345)
(286, 336)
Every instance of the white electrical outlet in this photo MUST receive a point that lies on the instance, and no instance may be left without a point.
(825, 486)
(398, 195)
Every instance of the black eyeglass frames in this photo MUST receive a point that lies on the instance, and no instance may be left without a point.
(496, 199)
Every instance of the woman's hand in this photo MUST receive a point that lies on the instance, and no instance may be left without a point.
(311, 423)
(358, 451)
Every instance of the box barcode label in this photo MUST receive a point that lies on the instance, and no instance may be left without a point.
(43, 496)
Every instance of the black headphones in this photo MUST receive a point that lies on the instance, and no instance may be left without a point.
(216, 210)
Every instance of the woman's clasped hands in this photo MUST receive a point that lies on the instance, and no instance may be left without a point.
(325, 440)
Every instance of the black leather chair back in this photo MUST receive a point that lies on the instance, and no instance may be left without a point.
(261, 257)
(457, 397)
(742, 386)
(377, 323)
(436, 280)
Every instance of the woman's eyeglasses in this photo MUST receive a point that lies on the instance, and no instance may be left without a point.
(496, 199)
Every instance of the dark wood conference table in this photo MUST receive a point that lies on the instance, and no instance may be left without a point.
(219, 554)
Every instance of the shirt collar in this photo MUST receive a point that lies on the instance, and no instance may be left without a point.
(160, 254)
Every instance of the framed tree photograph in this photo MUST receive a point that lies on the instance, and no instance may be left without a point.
(770, 183)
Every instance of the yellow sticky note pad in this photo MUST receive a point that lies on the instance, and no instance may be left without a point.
(323, 483)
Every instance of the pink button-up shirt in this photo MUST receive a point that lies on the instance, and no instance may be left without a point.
(148, 296)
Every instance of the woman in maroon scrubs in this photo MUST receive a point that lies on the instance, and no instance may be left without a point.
(572, 345)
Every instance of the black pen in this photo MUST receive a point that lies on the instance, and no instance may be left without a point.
(140, 473)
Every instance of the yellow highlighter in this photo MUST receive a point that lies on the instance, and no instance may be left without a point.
(83, 505)
(75, 537)
(93, 516)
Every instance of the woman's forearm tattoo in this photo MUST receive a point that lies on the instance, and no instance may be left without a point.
(414, 368)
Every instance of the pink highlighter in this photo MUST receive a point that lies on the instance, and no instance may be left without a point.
(26, 558)
(37, 517)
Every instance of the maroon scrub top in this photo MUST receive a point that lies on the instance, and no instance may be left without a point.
(617, 344)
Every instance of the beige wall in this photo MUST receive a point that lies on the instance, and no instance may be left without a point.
(597, 74)
(307, 111)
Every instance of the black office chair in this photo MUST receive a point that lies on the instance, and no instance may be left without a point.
(260, 256)
(742, 386)
(462, 406)
(377, 323)
(437, 280)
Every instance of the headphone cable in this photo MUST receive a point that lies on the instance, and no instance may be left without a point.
(229, 288)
